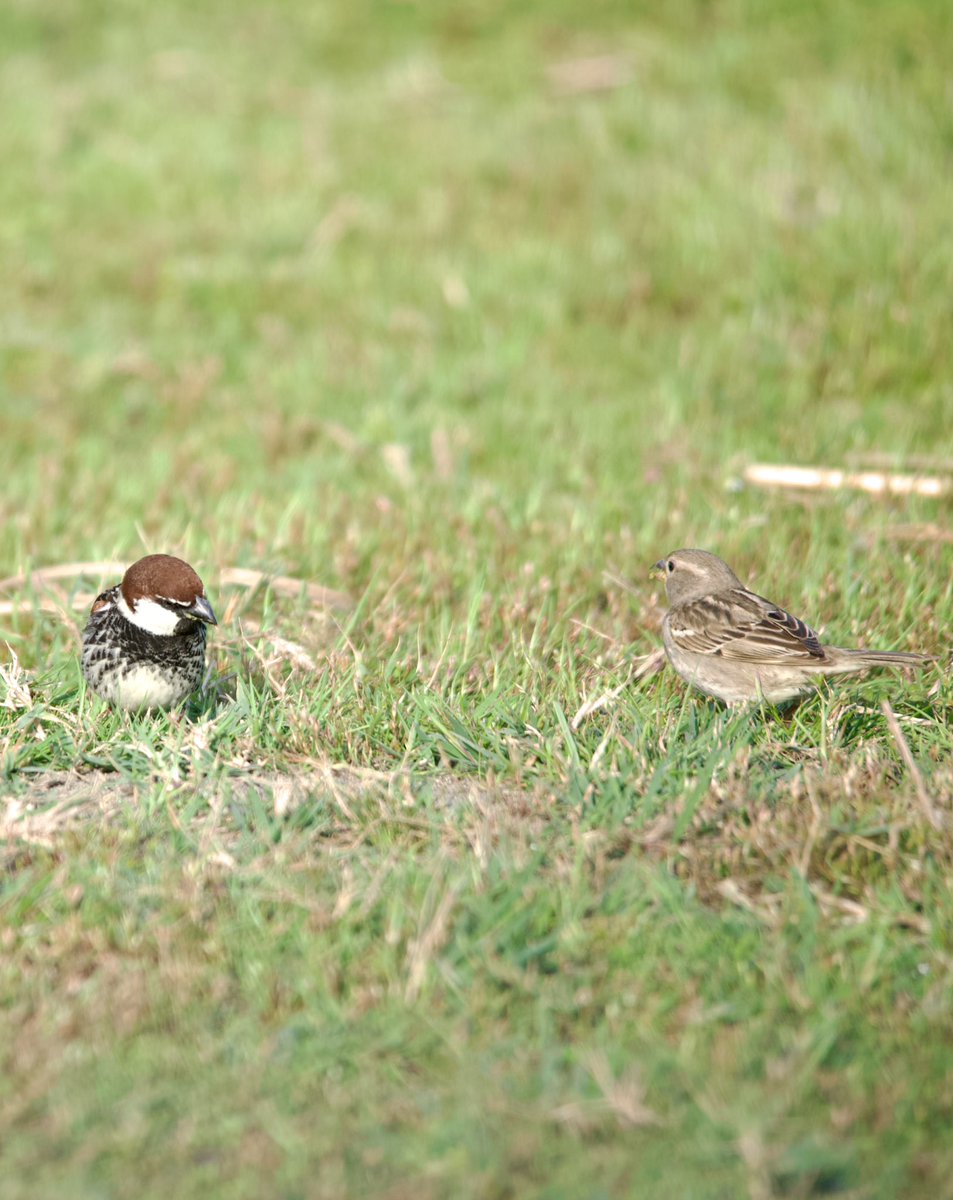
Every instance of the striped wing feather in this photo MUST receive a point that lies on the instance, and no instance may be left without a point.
(739, 624)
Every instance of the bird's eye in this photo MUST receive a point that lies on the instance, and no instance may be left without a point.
(671, 566)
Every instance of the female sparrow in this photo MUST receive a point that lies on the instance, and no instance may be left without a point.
(730, 643)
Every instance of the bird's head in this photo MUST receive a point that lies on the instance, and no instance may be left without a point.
(691, 574)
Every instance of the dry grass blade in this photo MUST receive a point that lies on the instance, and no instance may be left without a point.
(624, 1096)
(620, 581)
(247, 577)
(432, 935)
(588, 707)
(923, 796)
(16, 686)
(648, 664)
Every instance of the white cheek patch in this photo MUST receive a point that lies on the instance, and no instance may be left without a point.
(149, 616)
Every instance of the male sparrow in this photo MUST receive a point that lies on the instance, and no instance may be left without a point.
(730, 643)
(144, 644)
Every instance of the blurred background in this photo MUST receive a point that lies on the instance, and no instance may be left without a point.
(365, 290)
(472, 311)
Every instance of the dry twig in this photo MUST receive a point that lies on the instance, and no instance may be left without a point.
(877, 483)
(285, 585)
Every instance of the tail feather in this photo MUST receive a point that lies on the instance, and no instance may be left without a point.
(859, 660)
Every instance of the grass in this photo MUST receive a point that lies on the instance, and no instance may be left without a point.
(371, 296)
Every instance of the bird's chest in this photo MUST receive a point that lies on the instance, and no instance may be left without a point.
(133, 669)
(146, 685)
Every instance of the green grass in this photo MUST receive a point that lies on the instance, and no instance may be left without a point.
(362, 295)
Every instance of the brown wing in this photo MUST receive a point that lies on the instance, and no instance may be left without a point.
(739, 624)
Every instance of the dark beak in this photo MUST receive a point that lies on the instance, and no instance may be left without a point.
(658, 570)
(202, 611)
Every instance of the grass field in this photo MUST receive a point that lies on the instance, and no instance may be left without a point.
(469, 312)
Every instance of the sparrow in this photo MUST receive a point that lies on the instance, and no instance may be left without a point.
(144, 643)
(733, 644)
